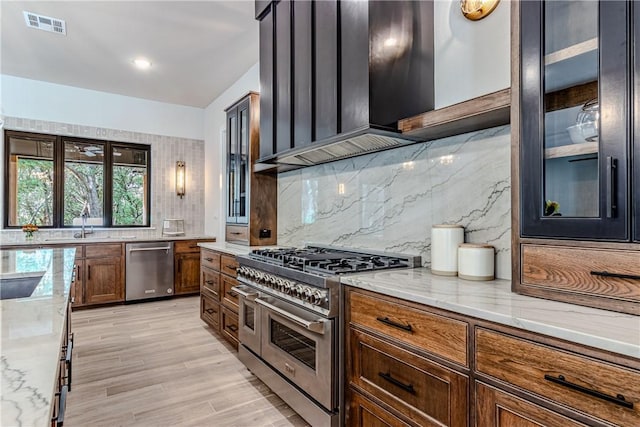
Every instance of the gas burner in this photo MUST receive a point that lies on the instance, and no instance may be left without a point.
(330, 261)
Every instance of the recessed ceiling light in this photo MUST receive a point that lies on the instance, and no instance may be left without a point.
(142, 63)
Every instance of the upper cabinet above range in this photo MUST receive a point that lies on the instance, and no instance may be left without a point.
(336, 76)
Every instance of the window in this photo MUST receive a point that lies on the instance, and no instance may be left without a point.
(55, 181)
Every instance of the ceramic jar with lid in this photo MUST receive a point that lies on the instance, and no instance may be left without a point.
(476, 261)
(445, 239)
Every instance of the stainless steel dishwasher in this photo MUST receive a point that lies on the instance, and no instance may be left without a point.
(149, 270)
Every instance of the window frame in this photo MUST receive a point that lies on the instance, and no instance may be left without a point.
(58, 178)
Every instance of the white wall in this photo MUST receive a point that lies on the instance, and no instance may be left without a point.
(472, 58)
(214, 150)
(38, 100)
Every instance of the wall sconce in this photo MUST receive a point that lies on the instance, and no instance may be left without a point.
(180, 179)
(477, 9)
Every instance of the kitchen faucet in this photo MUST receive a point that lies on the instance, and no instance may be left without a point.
(84, 215)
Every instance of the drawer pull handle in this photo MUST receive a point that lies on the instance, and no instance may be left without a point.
(210, 310)
(618, 399)
(406, 387)
(208, 259)
(620, 276)
(232, 328)
(209, 282)
(232, 294)
(386, 321)
(236, 233)
(231, 267)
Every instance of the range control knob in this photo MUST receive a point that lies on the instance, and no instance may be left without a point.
(288, 287)
(298, 291)
(316, 298)
(307, 293)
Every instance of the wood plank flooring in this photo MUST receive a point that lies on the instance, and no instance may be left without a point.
(158, 364)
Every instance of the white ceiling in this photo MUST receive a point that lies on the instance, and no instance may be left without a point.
(198, 48)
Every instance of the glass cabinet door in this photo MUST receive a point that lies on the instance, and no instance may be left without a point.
(574, 124)
(243, 162)
(232, 166)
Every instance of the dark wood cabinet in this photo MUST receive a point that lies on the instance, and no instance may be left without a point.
(512, 377)
(186, 267)
(100, 275)
(500, 409)
(333, 67)
(575, 209)
(103, 280)
(218, 301)
(251, 197)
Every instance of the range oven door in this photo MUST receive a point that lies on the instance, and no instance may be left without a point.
(248, 317)
(300, 345)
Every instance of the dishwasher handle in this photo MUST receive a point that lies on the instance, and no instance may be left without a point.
(158, 248)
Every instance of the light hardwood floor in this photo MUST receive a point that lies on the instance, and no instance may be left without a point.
(158, 364)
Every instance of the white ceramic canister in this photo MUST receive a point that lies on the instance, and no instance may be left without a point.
(476, 261)
(445, 239)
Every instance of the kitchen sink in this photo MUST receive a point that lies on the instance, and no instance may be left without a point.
(19, 285)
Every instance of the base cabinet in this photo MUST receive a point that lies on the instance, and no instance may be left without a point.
(186, 267)
(514, 378)
(103, 280)
(218, 302)
(501, 409)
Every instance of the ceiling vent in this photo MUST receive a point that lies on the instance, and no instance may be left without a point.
(46, 23)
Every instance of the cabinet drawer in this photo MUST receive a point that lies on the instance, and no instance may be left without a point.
(103, 251)
(210, 259)
(583, 270)
(424, 391)
(229, 297)
(237, 233)
(500, 409)
(185, 246)
(229, 326)
(364, 413)
(439, 335)
(210, 311)
(228, 265)
(210, 283)
(534, 367)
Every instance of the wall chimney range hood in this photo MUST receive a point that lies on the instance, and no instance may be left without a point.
(364, 140)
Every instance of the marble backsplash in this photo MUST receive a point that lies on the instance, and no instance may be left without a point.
(165, 151)
(389, 200)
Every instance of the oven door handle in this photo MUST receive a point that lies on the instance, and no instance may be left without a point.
(246, 292)
(316, 326)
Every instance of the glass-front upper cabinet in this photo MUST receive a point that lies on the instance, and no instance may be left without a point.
(237, 163)
(575, 119)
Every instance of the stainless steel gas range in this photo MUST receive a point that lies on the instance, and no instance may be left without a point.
(289, 320)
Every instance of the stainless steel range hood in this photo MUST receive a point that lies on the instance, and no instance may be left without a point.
(364, 140)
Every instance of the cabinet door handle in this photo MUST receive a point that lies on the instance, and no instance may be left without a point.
(208, 259)
(233, 328)
(88, 272)
(618, 399)
(389, 322)
(611, 175)
(618, 275)
(179, 265)
(406, 387)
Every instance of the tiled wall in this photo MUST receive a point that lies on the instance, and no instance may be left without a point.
(390, 200)
(165, 151)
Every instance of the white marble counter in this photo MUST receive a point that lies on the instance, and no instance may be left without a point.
(231, 248)
(101, 239)
(494, 301)
(32, 330)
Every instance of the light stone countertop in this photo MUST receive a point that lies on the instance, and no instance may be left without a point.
(231, 248)
(103, 239)
(494, 301)
(32, 331)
